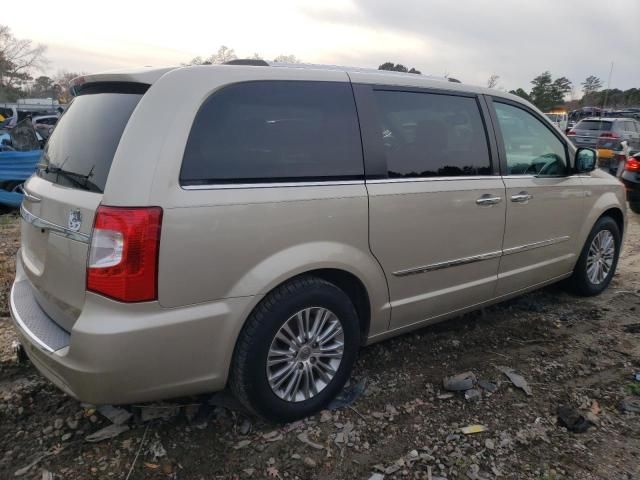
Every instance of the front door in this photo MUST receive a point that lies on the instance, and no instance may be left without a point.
(437, 216)
(544, 202)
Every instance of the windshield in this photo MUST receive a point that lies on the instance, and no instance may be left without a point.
(81, 148)
(593, 125)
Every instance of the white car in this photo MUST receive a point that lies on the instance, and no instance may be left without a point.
(45, 124)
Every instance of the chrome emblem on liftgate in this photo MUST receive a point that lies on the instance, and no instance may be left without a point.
(75, 220)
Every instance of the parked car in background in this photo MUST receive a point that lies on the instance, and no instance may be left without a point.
(254, 226)
(559, 118)
(630, 177)
(5, 141)
(44, 125)
(20, 151)
(605, 134)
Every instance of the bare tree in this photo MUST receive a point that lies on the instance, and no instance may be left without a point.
(287, 59)
(19, 58)
(62, 80)
(223, 55)
(195, 61)
(492, 82)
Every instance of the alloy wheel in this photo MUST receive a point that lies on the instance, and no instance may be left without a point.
(600, 257)
(305, 354)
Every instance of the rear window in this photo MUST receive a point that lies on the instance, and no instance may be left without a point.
(81, 148)
(593, 125)
(274, 131)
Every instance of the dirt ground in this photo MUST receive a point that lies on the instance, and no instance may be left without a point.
(572, 351)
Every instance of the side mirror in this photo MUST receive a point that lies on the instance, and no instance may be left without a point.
(586, 160)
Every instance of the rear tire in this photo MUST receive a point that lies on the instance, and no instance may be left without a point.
(286, 333)
(598, 260)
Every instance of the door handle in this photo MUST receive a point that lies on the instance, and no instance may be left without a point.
(488, 199)
(522, 197)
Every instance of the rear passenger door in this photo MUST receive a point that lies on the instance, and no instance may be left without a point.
(544, 201)
(436, 203)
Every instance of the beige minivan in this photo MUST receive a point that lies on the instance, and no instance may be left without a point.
(252, 226)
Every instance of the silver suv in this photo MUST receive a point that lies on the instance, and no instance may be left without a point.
(606, 133)
(253, 226)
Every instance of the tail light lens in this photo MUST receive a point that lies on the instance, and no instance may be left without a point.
(609, 135)
(632, 165)
(123, 257)
(571, 133)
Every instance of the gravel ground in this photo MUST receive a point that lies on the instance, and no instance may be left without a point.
(575, 352)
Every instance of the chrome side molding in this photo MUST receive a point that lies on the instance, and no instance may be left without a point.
(531, 246)
(447, 264)
(479, 258)
(38, 222)
(31, 197)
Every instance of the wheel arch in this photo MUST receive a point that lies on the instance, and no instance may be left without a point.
(618, 217)
(608, 204)
(355, 290)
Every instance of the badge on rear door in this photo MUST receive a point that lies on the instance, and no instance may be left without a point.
(75, 220)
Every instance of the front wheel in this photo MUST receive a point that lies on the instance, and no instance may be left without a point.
(598, 259)
(296, 350)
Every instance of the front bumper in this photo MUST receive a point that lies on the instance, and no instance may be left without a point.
(122, 353)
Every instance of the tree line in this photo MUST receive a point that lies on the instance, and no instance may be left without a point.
(547, 93)
(226, 54)
(21, 60)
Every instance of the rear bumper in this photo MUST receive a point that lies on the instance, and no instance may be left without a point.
(118, 353)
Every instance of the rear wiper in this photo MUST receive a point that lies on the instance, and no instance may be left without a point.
(76, 178)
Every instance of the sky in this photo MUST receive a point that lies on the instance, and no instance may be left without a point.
(466, 39)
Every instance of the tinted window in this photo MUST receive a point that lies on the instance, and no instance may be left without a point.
(274, 131)
(81, 148)
(531, 147)
(426, 135)
(593, 125)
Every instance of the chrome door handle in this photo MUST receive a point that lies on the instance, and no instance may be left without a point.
(488, 199)
(522, 197)
(30, 197)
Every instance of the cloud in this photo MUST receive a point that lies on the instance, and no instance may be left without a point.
(515, 39)
(469, 39)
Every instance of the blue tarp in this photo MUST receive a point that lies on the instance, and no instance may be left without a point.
(16, 166)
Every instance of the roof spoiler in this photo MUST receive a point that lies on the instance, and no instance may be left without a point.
(82, 88)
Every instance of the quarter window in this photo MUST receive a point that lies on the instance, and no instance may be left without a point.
(531, 147)
(431, 135)
(274, 131)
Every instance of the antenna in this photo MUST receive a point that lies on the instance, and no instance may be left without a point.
(606, 95)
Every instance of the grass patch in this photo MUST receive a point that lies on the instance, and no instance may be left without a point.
(634, 388)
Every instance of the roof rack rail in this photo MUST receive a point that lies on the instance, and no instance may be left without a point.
(247, 61)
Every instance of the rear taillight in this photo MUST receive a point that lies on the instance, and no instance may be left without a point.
(609, 135)
(571, 132)
(123, 257)
(632, 165)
